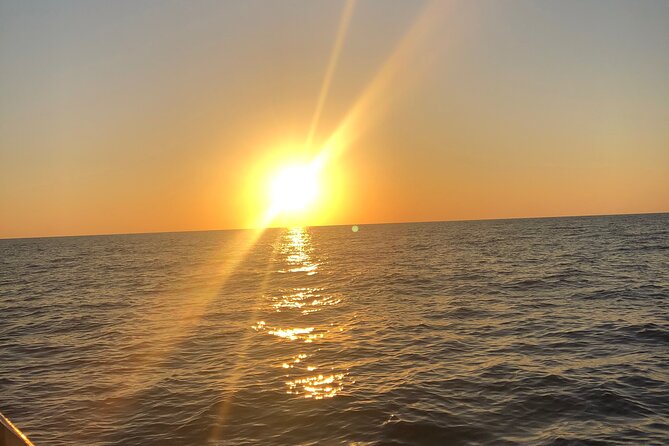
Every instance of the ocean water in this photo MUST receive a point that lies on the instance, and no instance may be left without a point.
(538, 331)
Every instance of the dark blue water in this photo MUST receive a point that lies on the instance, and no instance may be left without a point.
(542, 331)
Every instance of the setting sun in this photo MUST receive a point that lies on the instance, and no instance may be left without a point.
(294, 188)
(288, 187)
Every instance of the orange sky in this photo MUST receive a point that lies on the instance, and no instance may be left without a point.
(169, 116)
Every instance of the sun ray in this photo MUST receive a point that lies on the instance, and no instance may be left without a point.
(370, 102)
(342, 30)
(177, 331)
(244, 344)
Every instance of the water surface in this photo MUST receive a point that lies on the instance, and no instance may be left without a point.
(540, 331)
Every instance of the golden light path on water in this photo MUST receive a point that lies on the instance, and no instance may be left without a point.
(294, 252)
(295, 249)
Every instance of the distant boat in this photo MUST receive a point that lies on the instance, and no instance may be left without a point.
(10, 435)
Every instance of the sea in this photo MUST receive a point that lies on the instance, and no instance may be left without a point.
(547, 331)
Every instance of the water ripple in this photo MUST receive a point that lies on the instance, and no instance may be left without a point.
(546, 332)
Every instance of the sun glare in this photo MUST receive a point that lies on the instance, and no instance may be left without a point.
(294, 188)
(289, 189)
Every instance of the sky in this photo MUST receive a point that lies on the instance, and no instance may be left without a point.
(143, 116)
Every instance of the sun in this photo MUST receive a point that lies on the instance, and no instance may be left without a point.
(294, 188)
(289, 189)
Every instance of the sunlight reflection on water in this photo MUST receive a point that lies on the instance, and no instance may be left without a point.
(299, 322)
(317, 387)
(308, 300)
(296, 248)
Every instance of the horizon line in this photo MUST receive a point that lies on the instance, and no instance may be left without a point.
(542, 217)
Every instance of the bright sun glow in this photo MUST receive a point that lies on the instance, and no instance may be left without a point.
(294, 188)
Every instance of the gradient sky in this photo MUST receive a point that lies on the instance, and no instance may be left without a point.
(153, 115)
